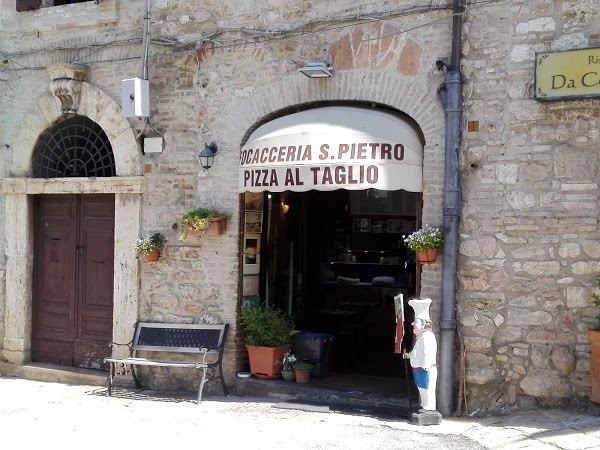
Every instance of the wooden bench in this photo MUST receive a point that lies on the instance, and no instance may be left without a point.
(190, 339)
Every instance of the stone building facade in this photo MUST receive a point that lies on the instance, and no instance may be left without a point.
(528, 247)
(529, 226)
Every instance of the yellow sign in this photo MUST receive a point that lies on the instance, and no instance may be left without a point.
(573, 73)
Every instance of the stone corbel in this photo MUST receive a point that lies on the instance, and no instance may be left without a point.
(65, 84)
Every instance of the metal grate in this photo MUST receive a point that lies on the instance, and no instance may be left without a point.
(175, 337)
(74, 147)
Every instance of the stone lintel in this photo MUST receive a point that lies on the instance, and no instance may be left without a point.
(34, 186)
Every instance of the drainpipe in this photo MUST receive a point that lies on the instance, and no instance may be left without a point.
(451, 97)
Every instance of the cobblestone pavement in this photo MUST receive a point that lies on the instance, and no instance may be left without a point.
(68, 416)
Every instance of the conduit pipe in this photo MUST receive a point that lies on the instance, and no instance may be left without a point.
(451, 97)
(146, 40)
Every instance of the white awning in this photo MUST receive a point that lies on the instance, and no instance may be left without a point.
(334, 147)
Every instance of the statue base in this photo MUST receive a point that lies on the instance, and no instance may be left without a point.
(425, 417)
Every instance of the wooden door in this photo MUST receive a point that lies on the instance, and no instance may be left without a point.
(73, 279)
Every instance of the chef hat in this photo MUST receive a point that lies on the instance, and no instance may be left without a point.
(421, 307)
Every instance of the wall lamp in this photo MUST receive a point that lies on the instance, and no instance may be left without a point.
(207, 155)
(317, 69)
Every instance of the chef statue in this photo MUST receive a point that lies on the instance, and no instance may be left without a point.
(423, 362)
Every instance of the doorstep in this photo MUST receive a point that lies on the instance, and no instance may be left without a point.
(335, 389)
(54, 373)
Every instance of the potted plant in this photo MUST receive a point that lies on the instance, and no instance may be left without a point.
(150, 246)
(425, 243)
(267, 337)
(287, 366)
(202, 220)
(594, 336)
(302, 370)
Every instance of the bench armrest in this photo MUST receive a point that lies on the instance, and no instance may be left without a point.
(113, 345)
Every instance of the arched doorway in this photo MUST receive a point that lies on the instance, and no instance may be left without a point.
(72, 297)
(328, 194)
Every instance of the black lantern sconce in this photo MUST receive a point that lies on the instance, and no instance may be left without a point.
(207, 155)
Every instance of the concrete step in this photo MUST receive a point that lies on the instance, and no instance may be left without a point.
(57, 374)
(365, 392)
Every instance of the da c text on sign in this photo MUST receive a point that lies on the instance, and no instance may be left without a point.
(567, 74)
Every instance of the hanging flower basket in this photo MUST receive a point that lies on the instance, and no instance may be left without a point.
(152, 256)
(201, 221)
(425, 243)
(149, 247)
(218, 225)
(428, 256)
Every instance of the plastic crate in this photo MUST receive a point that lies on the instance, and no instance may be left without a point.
(314, 348)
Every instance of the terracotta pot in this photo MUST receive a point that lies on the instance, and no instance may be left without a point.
(288, 375)
(265, 362)
(152, 256)
(218, 225)
(594, 336)
(302, 376)
(427, 256)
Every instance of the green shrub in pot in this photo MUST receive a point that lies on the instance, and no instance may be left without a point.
(266, 327)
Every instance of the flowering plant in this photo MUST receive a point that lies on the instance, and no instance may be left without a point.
(149, 244)
(424, 239)
(288, 361)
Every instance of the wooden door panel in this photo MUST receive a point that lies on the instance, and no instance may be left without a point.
(95, 280)
(53, 351)
(54, 278)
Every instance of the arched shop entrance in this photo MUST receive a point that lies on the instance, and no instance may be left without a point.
(329, 193)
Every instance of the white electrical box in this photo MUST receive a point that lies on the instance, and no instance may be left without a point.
(153, 145)
(135, 97)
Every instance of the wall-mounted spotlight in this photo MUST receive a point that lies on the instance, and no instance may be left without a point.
(317, 69)
(285, 207)
(207, 155)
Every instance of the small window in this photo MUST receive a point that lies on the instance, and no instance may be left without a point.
(26, 5)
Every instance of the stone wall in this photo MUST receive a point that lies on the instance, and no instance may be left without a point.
(205, 90)
(529, 245)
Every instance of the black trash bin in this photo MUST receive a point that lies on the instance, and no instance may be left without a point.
(314, 348)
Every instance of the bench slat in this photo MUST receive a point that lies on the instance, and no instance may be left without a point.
(155, 362)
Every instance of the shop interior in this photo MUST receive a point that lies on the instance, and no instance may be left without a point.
(336, 262)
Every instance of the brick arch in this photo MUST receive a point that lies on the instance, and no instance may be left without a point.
(100, 108)
(415, 99)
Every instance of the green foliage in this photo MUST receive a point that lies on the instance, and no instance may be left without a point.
(596, 301)
(303, 366)
(149, 244)
(199, 220)
(426, 238)
(266, 327)
(204, 213)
